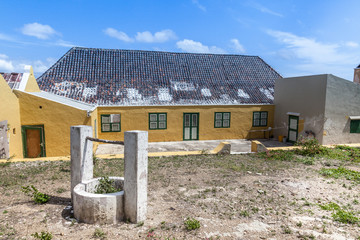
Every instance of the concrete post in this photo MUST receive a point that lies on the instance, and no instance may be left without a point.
(81, 155)
(135, 175)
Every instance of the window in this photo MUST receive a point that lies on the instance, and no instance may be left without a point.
(222, 120)
(260, 119)
(354, 126)
(157, 121)
(110, 123)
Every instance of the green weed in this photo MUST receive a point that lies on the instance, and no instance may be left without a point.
(43, 235)
(106, 185)
(191, 224)
(341, 172)
(99, 233)
(339, 214)
(38, 197)
(277, 155)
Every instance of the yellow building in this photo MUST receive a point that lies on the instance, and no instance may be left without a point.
(38, 123)
(173, 96)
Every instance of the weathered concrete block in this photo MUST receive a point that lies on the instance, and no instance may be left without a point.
(81, 155)
(223, 148)
(136, 172)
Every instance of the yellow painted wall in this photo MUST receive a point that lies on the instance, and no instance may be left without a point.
(137, 118)
(32, 85)
(56, 118)
(9, 110)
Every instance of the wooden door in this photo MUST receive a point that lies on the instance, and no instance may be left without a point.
(33, 140)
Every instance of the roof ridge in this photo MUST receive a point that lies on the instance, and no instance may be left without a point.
(157, 51)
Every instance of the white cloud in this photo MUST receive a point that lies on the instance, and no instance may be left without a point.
(118, 35)
(147, 37)
(6, 66)
(311, 56)
(5, 37)
(264, 9)
(352, 44)
(309, 48)
(201, 7)
(237, 46)
(38, 30)
(63, 43)
(162, 36)
(197, 47)
(3, 56)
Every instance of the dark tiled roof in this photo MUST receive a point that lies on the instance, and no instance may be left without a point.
(12, 79)
(132, 77)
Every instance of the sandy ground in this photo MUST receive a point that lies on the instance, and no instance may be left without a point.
(233, 197)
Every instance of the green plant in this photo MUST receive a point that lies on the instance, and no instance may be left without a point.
(140, 224)
(244, 213)
(106, 185)
(339, 214)
(99, 233)
(277, 155)
(286, 229)
(191, 224)
(60, 190)
(341, 172)
(309, 146)
(38, 197)
(43, 235)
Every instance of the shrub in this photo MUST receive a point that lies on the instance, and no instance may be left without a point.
(37, 196)
(309, 146)
(106, 185)
(191, 224)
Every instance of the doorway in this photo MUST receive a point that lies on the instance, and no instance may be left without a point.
(33, 141)
(191, 126)
(293, 128)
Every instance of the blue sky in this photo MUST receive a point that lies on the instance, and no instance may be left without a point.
(295, 37)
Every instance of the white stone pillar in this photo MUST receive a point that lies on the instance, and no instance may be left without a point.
(135, 175)
(81, 155)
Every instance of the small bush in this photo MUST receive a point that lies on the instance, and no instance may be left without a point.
(309, 146)
(191, 224)
(37, 196)
(43, 235)
(106, 185)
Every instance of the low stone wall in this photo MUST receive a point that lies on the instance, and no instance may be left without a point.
(98, 208)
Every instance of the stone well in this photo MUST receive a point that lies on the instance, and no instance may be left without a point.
(129, 204)
(98, 208)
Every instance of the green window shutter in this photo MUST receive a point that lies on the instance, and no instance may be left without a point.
(354, 126)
